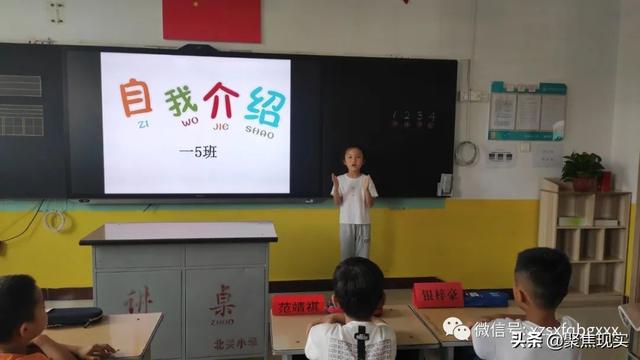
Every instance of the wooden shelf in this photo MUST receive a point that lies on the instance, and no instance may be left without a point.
(598, 254)
(589, 227)
(574, 299)
(558, 186)
(588, 193)
(595, 261)
(603, 290)
(573, 291)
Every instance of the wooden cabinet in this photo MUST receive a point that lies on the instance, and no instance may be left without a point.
(593, 230)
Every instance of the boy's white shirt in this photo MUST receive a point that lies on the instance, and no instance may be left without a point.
(501, 347)
(336, 341)
(353, 209)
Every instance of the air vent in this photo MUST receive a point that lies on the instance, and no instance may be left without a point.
(21, 120)
(20, 85)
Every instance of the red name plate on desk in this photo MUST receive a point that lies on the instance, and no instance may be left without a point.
(297, 304)
(438, 295)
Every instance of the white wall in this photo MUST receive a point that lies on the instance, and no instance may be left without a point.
(424, 28)
(626, 125)
(570, 41)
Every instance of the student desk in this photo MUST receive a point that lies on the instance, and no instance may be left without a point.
(288, 331)
(130, 334)
(433, 319)
(630, 315)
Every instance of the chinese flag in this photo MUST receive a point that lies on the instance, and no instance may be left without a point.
(211, 20)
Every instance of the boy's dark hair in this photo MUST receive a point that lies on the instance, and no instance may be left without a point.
(17, 303)
(549, 272)
(357, 284)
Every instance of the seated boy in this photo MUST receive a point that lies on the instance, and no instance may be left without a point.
(542, 278)
(22, 320)
(357, 286)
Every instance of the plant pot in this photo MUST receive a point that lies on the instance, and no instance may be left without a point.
(582, 184)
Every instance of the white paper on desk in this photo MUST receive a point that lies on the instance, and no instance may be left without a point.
(547, 155)
(503, 111)
(554, 111)
(528, 114)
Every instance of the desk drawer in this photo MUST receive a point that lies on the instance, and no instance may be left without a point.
(139, 256)
(226, 254)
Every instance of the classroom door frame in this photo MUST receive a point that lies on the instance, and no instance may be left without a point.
(634, 296)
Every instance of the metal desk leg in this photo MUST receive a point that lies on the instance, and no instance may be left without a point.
(446, 353)
(630, 349)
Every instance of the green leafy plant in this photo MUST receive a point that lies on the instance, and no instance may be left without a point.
(582, 165)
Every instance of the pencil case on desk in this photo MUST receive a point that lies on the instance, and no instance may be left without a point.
(485, 299)
(73, 316)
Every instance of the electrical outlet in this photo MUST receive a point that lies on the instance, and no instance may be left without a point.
(548, 155)
(463, 96)
(475, 95)
(55, 9)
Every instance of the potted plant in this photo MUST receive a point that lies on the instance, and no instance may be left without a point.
(582, 169)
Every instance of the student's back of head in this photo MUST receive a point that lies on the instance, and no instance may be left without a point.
(542, 277)
(546, 273)
(18, 304)
(358, 287)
